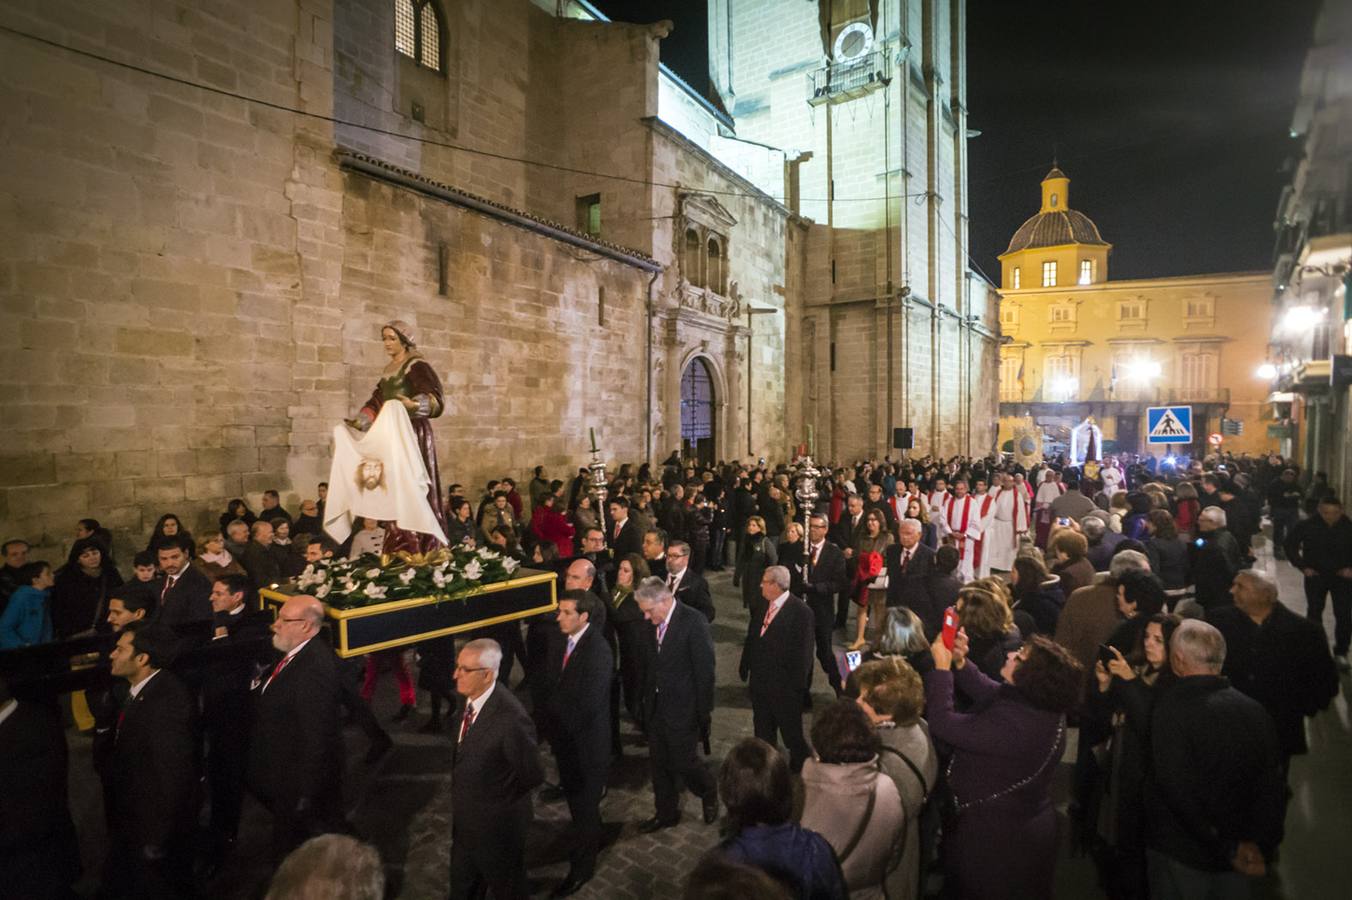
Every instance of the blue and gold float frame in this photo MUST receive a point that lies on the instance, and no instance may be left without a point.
(359, 630)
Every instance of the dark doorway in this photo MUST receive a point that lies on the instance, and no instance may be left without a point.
(697, 412)
(1129, 434)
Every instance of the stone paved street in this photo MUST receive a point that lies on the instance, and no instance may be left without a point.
(402, 804)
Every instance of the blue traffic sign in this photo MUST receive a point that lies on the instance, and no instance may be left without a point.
(1168, 425)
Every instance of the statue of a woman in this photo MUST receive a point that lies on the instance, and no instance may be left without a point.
(409, 380)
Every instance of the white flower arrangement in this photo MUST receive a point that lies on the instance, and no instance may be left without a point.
(446, 574)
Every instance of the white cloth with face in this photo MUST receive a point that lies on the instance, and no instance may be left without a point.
(379, 474)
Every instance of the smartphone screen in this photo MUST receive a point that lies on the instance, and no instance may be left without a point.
(853, 658)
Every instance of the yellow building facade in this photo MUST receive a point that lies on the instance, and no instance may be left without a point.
(1077, 345)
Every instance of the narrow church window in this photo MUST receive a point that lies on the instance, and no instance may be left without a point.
(715, 271)
(692, 258)
(1015, 282)
(1049, 273)
(589, 214)
(1053, 201)
(417, 32)
(1086, 271)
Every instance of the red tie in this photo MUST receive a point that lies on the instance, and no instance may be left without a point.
(905, 560)
(769, 616)
(567, 652)
(467, 721)
(281, 664)
(618, 526)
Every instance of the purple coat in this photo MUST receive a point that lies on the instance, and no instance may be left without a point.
(1002, 848)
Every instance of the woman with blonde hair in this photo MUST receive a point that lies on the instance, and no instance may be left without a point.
(213, 559)
(755, 554)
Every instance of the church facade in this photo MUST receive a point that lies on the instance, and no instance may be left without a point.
(211, 209)
(1079, 346)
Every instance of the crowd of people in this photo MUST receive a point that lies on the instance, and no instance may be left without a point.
(995, 608)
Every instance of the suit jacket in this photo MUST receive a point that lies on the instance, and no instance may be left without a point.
(154, 764)
(779, 662)
(693, 591)
(296, 749)
(188, 603)
(578, 704)
(678, 690)
(844, 534)
(228, 666)
(496, 765)
(630, 539)
(827, 578)
(263, 564)
(33, 790)
(912, 587)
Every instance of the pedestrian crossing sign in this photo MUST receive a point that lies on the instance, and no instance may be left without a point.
(1168, 425)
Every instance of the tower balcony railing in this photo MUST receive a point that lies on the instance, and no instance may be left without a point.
(838, 82)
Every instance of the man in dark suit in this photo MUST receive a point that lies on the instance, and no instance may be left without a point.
(296, 749)
(578, 703)
(777, 660)
(240, 651)
(154, 772)
(185, 593)
(909, 567)
(625, 536)
(592, 543)
(678, 701)
(495, 766)
(822, 574)
(39, 852)
(844, 534)
(686, 585)
(655, 552)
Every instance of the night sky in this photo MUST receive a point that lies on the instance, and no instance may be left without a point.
(1171, 119)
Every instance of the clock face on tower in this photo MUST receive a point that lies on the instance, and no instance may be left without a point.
(853, 41)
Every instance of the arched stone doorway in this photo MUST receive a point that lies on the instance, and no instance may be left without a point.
(699, 407)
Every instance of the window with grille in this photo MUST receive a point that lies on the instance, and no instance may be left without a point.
(1200, 308)
(1049, 273)
(1061, 378)
(1130, 310)
(1063, 313)
(417, 32)
(1198, 373)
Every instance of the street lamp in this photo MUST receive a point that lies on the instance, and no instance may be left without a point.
(1267, 372)
(1303, 318)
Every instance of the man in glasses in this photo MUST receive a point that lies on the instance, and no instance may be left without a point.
(296, 754)
(496, 765)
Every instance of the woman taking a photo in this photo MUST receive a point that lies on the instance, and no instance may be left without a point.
(984, 614)
(1000, 843)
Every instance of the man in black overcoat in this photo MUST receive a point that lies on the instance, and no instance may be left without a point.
(495, 766)
(822, 573)
(678, 700)
(154, 772)
(240, 650)
(296, 749)
(910, 567)
(578, 703)
(777, 661)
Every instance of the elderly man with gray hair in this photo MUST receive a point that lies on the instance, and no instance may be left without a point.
(777, 661)
(1215, 800)
(495, 766)
(1277, 657)
(678, 702)
(1216, 559)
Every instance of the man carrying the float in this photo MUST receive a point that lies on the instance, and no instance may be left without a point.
(963, 518)
(1007, 516)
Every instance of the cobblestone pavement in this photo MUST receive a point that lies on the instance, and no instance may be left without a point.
(402, 804)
